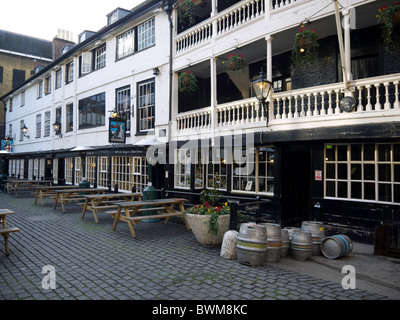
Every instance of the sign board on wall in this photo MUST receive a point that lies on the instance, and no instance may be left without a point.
(117, 130)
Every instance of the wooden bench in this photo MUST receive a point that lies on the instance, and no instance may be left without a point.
(63, 201)
(129, 211)
(5, 233)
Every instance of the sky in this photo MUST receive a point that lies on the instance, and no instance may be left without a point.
(42, 18)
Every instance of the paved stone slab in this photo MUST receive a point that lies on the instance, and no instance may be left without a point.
(165, 262)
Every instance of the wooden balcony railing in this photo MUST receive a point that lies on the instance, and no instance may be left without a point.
(377, 100)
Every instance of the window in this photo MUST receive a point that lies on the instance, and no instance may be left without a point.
(146, 100)
(364, 171)
(78, 170)
(256, 173)
(46, 124)
(92, 111)
(58, 115)
(129, 173)
(102, 172)
(100, 57)
(47, 85)
(91, 170)
(125, 44)
(58, 78)
(146, 35)
(10, 130)
(123, 103)
(69, 117)
(21, 134)
(1, 74)
(10, 105)
(145, 38)
(93, 60)
(55, 170)
(216, 169)
(22, 98)
(69, 73)
(38, 125)
(69, 166)
(182, 168)
(18, 78)
(40, 89)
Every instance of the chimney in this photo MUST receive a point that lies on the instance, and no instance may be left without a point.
(63, 39)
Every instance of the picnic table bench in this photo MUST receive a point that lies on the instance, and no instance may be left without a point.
(43, 192)
(72, 195)
(99, 202)
(4, 231)
(129, 211)
(24, 184)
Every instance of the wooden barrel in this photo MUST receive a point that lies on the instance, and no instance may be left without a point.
(285, 243)
(301, 245)
(251, 247)
(274, 241)
(336, 246)
(317, 231)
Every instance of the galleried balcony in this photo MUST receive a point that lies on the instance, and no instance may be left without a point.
(201, 23)
(303, 97)
(377, 100)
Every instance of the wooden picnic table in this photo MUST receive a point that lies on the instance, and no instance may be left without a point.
(98, 202)
(44, 192)
(4, 231)
(19, 184)
(130, 211)
(68, 195)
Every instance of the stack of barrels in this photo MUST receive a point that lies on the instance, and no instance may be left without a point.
(268, 242)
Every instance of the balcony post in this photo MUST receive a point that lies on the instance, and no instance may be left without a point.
(347, 44)
(213, 76)
(269, 39)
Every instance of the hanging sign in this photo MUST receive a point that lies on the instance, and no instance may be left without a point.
(7, 145)
(117, 130)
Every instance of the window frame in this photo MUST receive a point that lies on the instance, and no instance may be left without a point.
(368, 168)
(142, 104)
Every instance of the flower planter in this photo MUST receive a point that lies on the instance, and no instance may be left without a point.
(200, 225)
(234, 66)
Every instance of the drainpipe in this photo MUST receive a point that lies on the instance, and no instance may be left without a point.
(168, 10)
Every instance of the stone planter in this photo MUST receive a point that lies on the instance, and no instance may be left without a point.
(200, 225)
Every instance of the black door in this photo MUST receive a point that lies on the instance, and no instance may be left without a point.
(296, 186)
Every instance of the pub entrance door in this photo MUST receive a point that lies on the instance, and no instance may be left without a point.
(296, 186)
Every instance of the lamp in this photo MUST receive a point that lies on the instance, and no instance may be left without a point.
(24, 130)
(114, 113)
(156, 71)
(262, 88)
(57, 128)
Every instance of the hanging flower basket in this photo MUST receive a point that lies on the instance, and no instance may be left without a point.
(187, 82)
(234, 62)
(186, 13)
(389, 19)
(305, 47)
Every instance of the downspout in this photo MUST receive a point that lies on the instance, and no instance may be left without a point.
(168, 10)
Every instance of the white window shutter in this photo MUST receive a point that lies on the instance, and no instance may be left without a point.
(86, 62)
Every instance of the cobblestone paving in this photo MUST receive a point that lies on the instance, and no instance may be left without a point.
(165, 262)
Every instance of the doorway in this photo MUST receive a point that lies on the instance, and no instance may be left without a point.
(296, 186)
